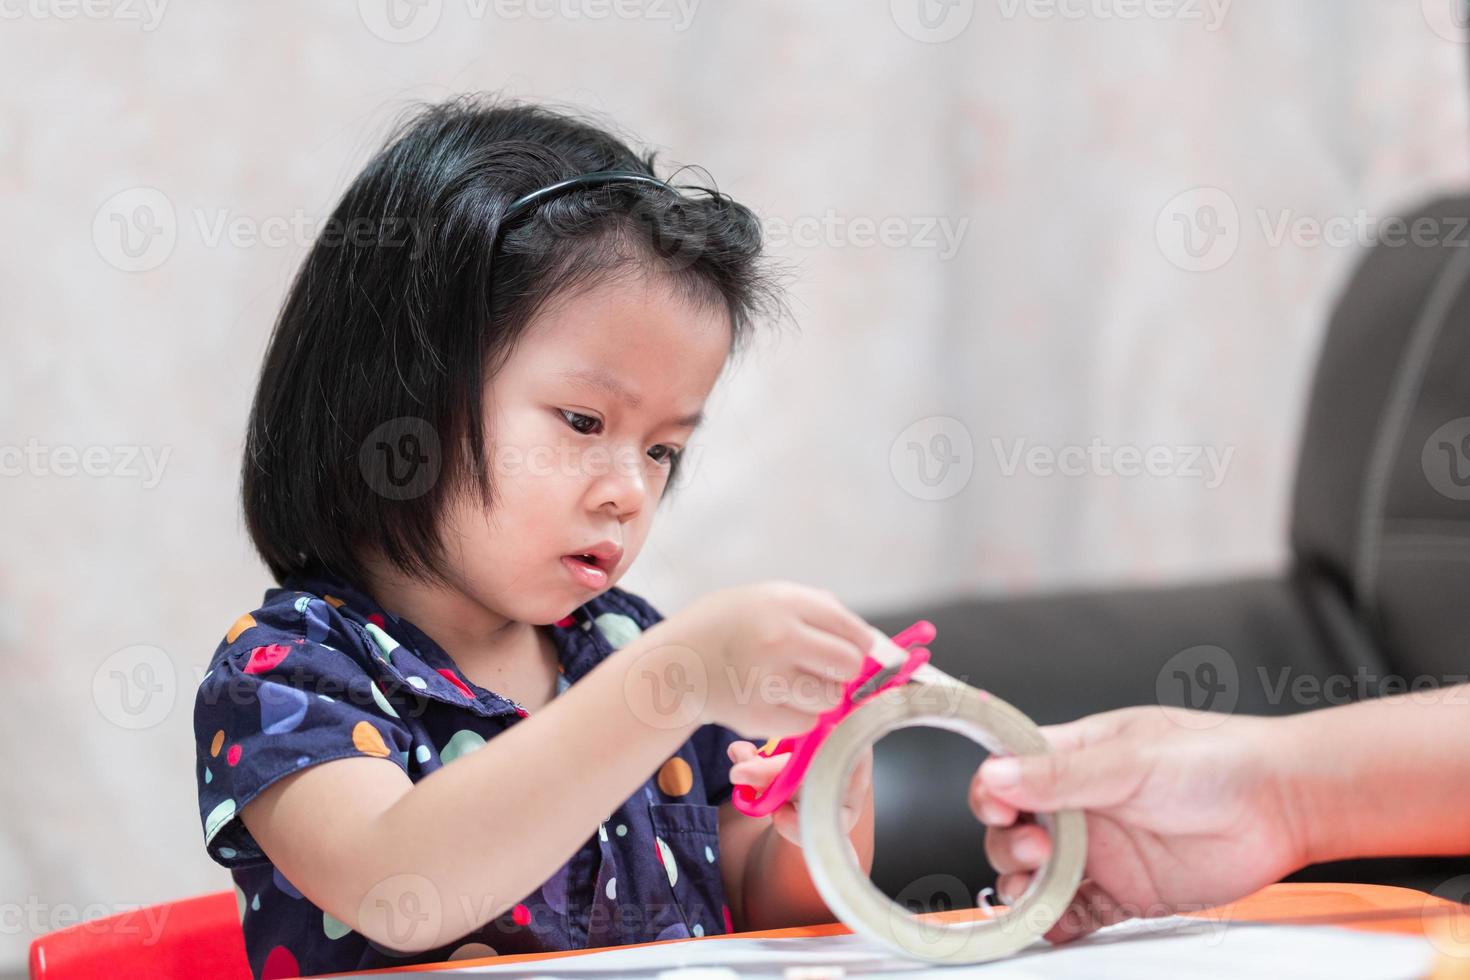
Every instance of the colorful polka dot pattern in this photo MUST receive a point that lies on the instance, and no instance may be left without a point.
(279, 963)
(319, 673)
(382, 701)
(367, 740)
(461, 743)
(666, 856)
(263, 659)
(616, 628)
(676, 777)
(459, 685)
(472, 951)
(241, 625)
(281, 708)
(332, 928)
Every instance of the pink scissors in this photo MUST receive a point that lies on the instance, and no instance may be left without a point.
(873, 678)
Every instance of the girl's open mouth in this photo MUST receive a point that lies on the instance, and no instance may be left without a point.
(586, 570)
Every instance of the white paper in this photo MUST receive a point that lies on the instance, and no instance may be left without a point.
(1166, 948)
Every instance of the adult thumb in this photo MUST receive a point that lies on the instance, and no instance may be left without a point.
(1087, 778)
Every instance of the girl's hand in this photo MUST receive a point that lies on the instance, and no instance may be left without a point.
(766, 658)
(756, 771)
(1184, 811)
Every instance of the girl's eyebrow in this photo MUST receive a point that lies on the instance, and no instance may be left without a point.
(603, 381)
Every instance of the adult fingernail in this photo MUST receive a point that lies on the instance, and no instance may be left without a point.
(1001, 773)
(1029, 850)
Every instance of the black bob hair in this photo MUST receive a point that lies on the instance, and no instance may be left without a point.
(367, 413)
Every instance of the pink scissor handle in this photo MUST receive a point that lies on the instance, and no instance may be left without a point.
(802, 747)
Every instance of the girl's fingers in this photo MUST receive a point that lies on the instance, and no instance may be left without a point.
(780, 720)
(757, 770)
(787, 822)
(860, 780)
(1014, 849)
(827, 613)
(854, 800)
(827, 657)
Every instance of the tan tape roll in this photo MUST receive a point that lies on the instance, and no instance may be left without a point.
(857, 901)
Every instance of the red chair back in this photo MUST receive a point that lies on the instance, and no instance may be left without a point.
(194, 937)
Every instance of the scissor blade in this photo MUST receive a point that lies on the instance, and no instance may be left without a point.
(875, 683)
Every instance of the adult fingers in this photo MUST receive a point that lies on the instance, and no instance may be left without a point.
(1088, 778)
(1022, 848)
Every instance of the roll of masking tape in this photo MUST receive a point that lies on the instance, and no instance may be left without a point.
(859, 903)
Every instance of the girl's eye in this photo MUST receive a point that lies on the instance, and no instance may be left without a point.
(587, 425)
(670, 454)
(584, 424)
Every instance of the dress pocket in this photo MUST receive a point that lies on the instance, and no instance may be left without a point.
(687, 838)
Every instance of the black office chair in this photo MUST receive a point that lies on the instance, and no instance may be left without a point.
(1378, 585)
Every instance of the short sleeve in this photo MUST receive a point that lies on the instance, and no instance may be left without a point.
(265, 711)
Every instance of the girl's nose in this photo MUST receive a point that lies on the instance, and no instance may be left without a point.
(624, 486)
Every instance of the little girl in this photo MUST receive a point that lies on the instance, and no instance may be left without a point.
(448, 734)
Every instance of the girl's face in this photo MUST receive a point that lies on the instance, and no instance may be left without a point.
(580, 425)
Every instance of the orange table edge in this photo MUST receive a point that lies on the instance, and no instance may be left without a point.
(1369, 908)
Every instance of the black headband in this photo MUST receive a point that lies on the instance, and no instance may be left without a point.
(529, 201)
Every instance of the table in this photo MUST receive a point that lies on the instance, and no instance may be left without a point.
(1372, 908)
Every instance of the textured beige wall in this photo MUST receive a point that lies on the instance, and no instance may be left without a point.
(1052, 138)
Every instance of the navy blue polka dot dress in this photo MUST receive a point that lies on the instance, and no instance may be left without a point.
(320, 672)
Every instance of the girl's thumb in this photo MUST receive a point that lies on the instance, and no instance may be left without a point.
(1060, 780)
